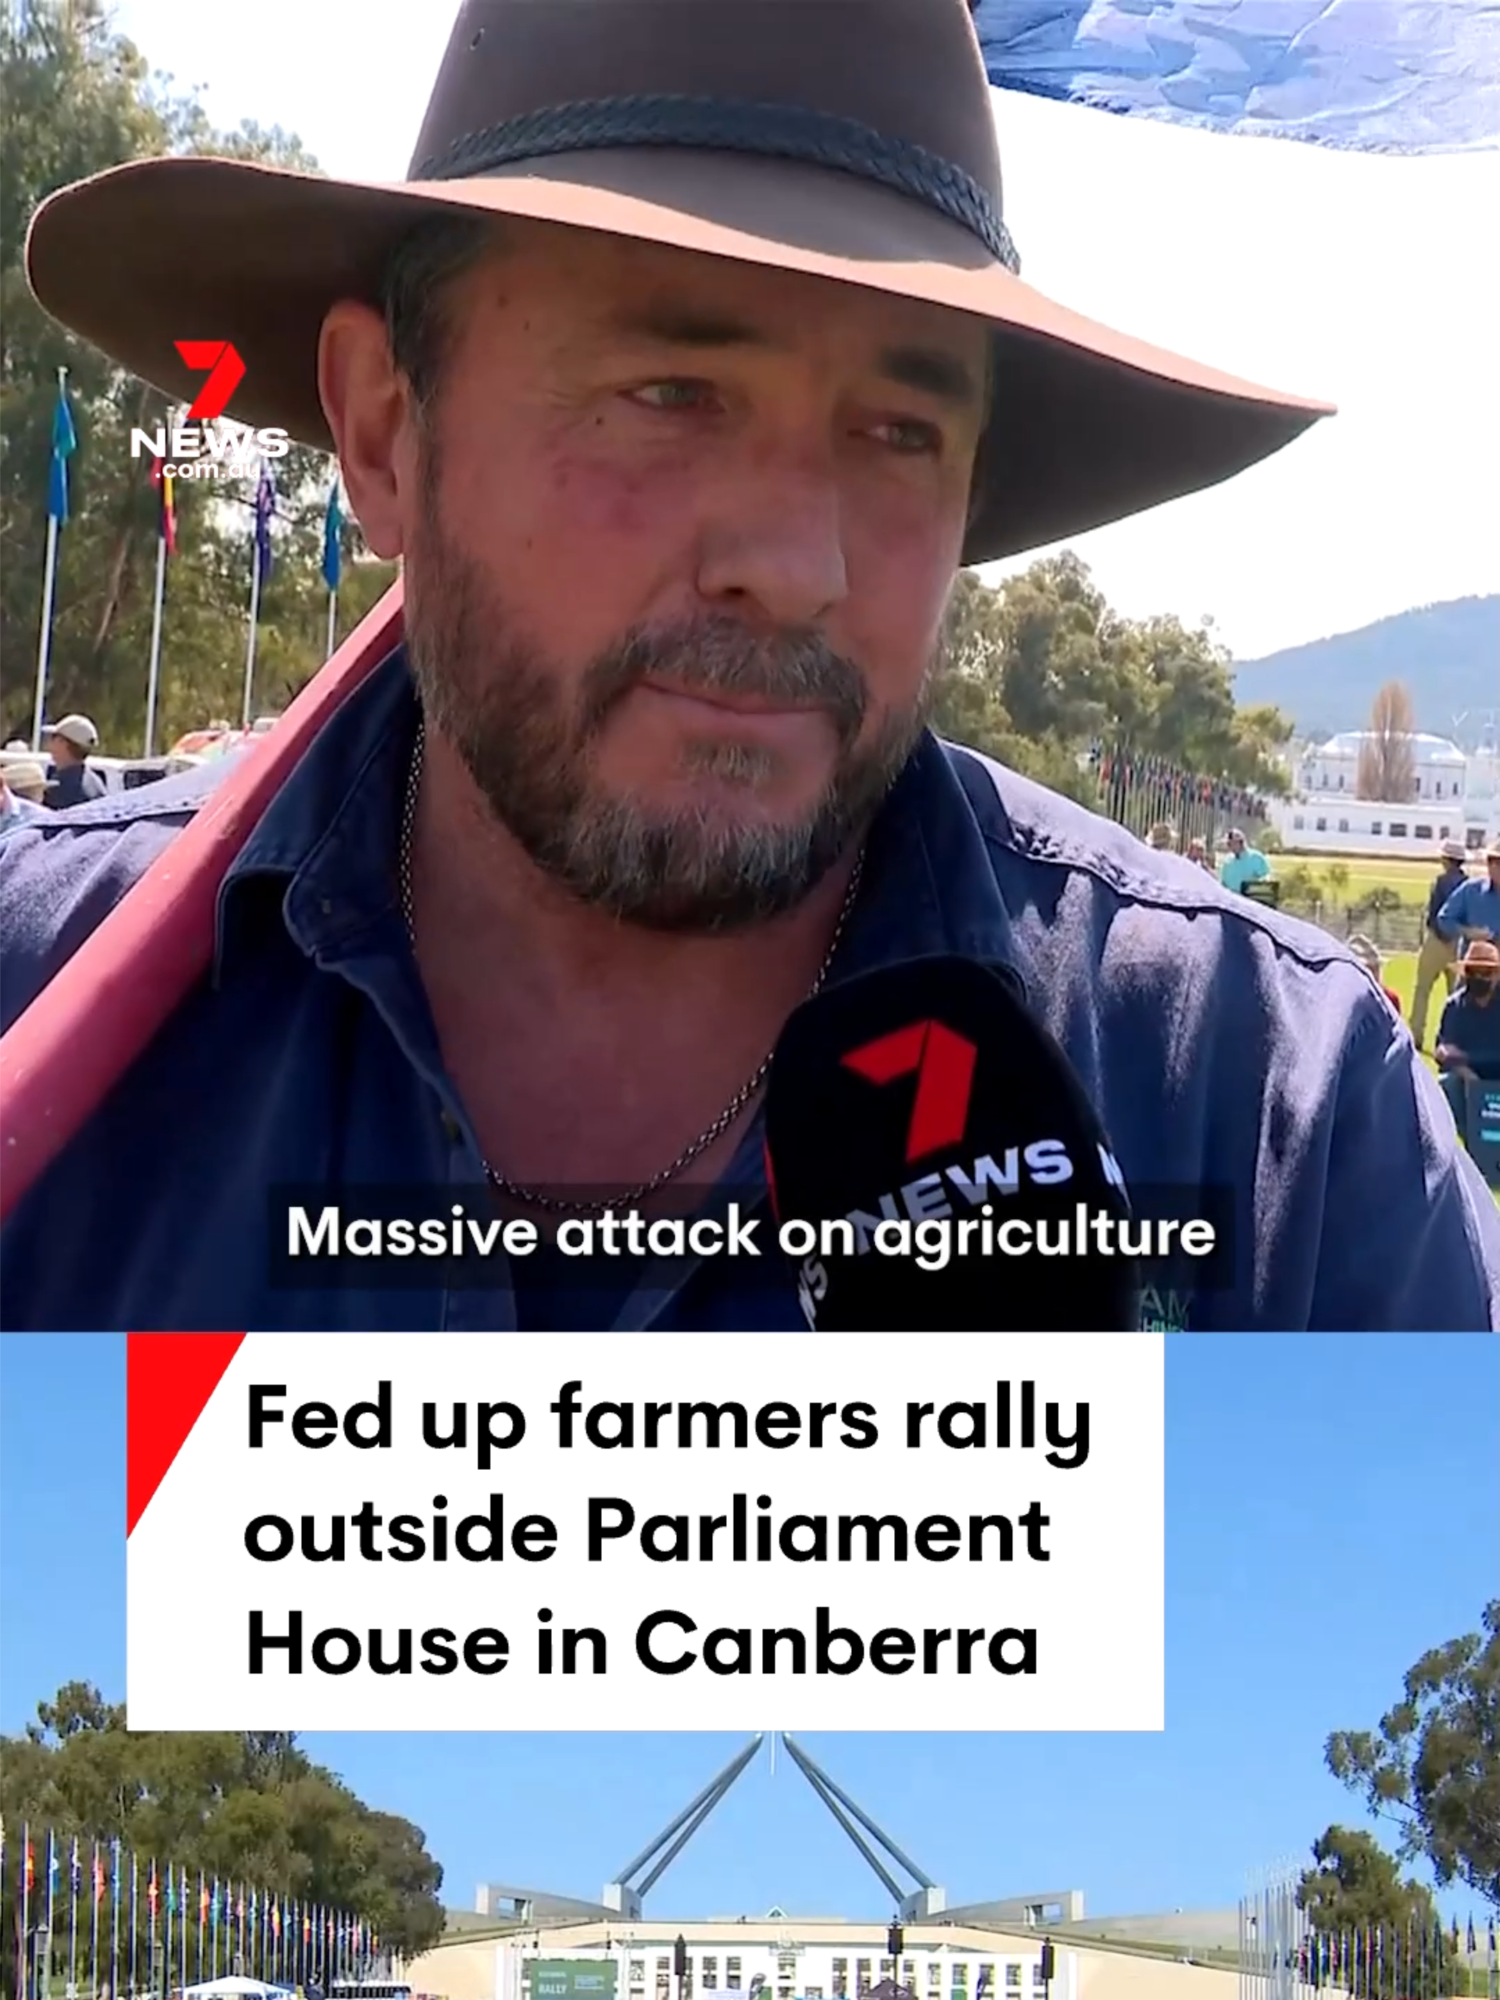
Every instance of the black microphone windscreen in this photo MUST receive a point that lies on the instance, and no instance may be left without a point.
(927, 1094)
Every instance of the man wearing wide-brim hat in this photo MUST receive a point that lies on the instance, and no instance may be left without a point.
(1473, 910)
(1438, 955)
(683, 373)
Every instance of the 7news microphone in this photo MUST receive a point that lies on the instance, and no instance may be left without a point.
(926, 1093)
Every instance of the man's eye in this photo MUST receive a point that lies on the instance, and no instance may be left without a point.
(676, 394)
(909, 435)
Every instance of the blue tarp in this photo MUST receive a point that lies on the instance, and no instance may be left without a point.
(1380, 76)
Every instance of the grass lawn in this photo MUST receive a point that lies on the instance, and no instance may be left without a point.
(1400, 974)
(1411, 880)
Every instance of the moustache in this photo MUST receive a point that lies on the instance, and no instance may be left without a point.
(719, 656)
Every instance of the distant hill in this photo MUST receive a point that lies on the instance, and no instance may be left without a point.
(1447, 654)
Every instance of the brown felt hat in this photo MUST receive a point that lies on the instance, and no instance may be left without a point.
(849, 139)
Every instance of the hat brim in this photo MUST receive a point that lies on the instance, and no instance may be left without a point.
(1088, 426)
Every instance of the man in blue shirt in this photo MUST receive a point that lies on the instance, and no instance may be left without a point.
(681, 460)
(1468, 1043)
(1243, 864)
(1473, 911)
(73, 783)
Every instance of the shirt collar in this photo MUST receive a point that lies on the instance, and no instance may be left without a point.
(330, 836)
(330, 833)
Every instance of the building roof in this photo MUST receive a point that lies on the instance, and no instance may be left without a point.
(1430, 749)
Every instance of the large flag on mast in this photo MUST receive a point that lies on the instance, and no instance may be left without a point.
(1371, 76)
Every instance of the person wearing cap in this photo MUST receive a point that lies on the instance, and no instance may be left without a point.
(1468, 1043)
(1243, 864)
(683, 374)
(73, 783)
(1439, 954)
(1473, 910)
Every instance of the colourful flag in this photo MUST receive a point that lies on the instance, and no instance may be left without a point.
(333, 527)
(166, 504)
(64, 444)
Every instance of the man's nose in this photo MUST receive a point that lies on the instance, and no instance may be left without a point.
(778, 546)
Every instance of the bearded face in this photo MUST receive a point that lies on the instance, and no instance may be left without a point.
(713, 851)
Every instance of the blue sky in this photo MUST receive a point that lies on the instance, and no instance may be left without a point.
(1331, 1513)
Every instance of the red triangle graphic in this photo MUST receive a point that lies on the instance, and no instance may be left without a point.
(169, 1378)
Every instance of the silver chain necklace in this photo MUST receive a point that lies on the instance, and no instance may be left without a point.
(632, 1197)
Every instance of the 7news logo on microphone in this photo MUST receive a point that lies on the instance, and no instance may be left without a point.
(921, 1127)
(194, 447)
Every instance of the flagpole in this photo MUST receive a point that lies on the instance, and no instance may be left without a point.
(154, 671)
(333, 622)
(250, 649)
(44, 648)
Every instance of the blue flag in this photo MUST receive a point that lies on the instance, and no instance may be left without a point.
(1374, 76)
(265, 513)
(333, 526)
(64, 444)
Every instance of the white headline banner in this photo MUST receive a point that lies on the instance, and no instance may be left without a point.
(572, 1531)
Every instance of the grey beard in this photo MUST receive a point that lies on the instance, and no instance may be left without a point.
(529, 751)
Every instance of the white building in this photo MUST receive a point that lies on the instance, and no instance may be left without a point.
(1456, 796)
(1331, 769)
(774, 1958)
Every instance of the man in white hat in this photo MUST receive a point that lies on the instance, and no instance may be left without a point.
(70, 742)
(683, 373)
(1439, 954)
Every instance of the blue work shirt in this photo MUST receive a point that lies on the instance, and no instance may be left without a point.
(1442, 888)
(1474, 1031)
(1221, 1043)
(1473, 907)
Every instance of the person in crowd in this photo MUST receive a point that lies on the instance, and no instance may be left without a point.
(1162, 837)
(1197, 852)
(1368, 953)
(1439, 954)
(1243, 864)
(22, 786)
(1473, 910)
(73, 783)
(1468, 1043)
(683, 378)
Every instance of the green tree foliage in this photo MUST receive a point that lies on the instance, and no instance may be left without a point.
(1037, 670)
(1433, 1763)
(1355, 1885)
(78, 98)
(1386, 1932)
(253, 1807)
